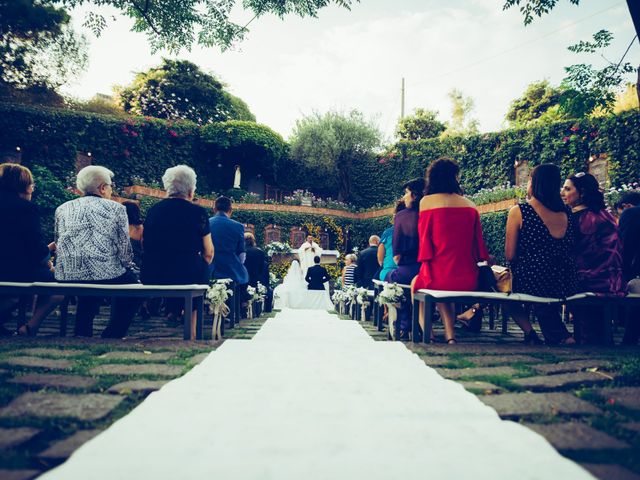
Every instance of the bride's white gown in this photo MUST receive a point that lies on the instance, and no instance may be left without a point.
(293, 292)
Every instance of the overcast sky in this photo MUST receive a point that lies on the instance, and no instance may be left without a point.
(345, 60)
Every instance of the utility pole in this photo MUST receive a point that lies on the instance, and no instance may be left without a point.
(402, 100)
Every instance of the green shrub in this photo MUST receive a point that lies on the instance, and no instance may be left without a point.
(48, 195)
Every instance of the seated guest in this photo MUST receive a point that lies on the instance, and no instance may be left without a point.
(405, 248)
(228, 240)
(255, 262)
(349, 270)
(177, 240)
(451, 243)
(539, 244)
(93, 246)
(627, 200)
(385, 248)
(136, 229)
(629, 231)
(24, 255)
(368, 264)
(316, 275)
(597, 250)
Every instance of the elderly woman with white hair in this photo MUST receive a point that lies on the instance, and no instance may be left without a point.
(92, 238)
(177, 239)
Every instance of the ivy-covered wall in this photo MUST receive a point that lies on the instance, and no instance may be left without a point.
(488, 160)
(140, 149)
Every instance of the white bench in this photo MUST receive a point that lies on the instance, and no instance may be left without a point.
(188, 293)
(426, 300)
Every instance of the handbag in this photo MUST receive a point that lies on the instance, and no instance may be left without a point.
(503, 279)
(486, 279)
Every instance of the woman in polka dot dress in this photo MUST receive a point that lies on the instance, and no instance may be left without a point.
(540, 238)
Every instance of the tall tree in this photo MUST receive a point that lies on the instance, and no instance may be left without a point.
(177, 24)
(461, 108)
(539, 103)
(328, 145)
(422, 124)
(178, 89)
(529, 8)
(39, 51)
(587, 89)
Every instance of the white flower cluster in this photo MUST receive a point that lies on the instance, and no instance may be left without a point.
(273, 280)
(391, 293)
(339, 296)
(258, 293)
(613, 195)
(277, 247)
(218, 293)
(362, 295)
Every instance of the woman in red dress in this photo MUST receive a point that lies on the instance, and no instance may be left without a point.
(451, 242)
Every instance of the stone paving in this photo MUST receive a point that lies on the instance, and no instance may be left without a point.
(58, 392)
(584, 400)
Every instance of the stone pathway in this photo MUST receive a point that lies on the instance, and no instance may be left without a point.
(31, 445)
(312, 396)
(58, 393)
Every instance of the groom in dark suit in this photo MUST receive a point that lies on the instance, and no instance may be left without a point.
(316, 275)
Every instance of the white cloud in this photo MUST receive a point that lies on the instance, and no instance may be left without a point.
(346, 60)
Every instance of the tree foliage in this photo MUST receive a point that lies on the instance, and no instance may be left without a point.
(179, 90)
(587, 89)
(529, 8)
(177, 24)
(422, 124)
(330, 144)
(461, 108)
(539, 103)
(39, 51)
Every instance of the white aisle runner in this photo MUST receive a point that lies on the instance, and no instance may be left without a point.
(314, 397)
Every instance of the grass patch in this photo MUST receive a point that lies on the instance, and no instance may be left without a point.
(502, 381)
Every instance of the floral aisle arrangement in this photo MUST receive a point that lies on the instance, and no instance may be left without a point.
(391, 296)
(217, 295)
(275, 248)
(362, 299)
(273, 280)
(340, 299)
(255, 294)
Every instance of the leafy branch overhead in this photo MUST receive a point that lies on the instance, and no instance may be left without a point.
(587, 89)
(177, 24)
(529, 8)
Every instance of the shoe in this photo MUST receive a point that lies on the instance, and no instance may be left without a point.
(403, 336)
(451, 341)
(532, 338)
(475, 324)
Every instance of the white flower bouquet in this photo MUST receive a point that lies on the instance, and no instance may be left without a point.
(391, 296)
(216, 297)
(274, 248)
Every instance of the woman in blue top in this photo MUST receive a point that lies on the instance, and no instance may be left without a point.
(385, 248)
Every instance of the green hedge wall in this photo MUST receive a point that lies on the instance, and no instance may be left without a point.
(488, 159)
(139, 149)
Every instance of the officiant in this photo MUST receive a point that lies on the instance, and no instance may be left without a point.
(307, 251)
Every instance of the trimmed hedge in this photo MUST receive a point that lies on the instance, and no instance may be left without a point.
(488, 160)
(139, 149)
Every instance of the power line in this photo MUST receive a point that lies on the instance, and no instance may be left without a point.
(516, 47)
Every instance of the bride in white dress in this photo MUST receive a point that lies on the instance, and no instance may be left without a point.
(293, 292)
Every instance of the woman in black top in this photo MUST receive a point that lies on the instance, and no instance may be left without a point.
(176, 238)
(24, 255)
